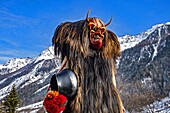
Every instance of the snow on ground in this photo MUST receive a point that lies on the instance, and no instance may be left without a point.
(155, 46)
(33, 108)
(159, 106)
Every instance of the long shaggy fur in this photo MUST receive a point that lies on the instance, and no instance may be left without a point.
(94, 68)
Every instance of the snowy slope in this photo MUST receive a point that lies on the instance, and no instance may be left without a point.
(13, 65)
(46, 54)
(161, 106)
(35, 73)
(147, 63)
(33, 108)
(128, 41)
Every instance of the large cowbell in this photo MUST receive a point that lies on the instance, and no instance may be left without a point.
(65, 82)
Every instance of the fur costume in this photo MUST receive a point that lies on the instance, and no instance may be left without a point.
(91, 51)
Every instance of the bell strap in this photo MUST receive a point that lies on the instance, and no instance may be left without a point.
(62, 67)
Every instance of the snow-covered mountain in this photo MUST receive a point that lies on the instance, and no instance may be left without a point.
(36, 71)
(128, 41)
(13, 65)
(145, 59)
(144, 69)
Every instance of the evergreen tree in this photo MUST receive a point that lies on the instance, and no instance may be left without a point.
(1, 108)
(11, 101)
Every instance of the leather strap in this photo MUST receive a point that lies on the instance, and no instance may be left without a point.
(62, 67)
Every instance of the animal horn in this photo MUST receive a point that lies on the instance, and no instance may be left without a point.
(109, 22)
(87, 16)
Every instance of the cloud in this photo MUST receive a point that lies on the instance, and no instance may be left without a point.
(12, 20)
(21, 35)
(9, 52)
(8, 41)
(18, 53)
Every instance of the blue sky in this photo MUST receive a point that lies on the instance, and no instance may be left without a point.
(27, 26)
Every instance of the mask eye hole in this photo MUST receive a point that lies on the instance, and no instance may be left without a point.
(92, 26)
(103, 30)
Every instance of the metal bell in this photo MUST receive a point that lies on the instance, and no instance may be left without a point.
(65, 82)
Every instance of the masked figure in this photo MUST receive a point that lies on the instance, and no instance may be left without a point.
(89, 51)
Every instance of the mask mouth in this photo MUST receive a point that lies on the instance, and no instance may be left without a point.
(96, 41)
(96, 38)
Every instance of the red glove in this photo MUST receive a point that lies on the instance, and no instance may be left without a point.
(54, 102)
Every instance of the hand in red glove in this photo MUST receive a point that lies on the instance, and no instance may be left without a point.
(54, 102)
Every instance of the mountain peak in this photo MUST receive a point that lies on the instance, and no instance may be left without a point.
(127, 41)
(13, 65)
(160, 25)
(46, 54)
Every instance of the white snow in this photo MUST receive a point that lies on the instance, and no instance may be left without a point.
(168, 23)
(35, 107)
(155, 46)
(14, 64)
(144, 50)
(3, 80)
(159, 106)
(46, 54)
(30, 77)
(146, 81)
(128, 41)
